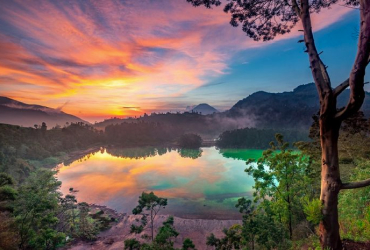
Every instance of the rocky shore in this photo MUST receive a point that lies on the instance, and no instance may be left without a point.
(112, 239)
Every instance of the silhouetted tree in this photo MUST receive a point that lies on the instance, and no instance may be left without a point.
(265, 19)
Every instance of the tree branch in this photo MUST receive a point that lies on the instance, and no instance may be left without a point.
(296, 7)
(341, 87)
(357, 76)
(318, 69)
(358, 184)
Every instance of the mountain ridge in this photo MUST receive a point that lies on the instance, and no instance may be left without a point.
(27, 115)
(204, 109)
(287, 109)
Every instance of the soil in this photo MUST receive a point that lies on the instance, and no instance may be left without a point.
(112, 239)
(352, 245)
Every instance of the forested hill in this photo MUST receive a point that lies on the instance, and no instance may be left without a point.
(288, 109)
(27, 115)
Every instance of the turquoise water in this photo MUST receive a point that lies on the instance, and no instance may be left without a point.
(203, 183)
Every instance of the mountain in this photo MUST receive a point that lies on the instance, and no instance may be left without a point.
(27, 115)
(204, 109)
(288, 109)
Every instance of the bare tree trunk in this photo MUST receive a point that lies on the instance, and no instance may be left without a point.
(330, 184)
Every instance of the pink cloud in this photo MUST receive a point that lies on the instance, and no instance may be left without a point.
(96, 52)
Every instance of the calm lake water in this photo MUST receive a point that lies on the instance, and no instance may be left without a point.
(202, 183)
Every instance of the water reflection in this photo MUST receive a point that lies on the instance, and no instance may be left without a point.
(241, 154)
(198, 183)
(190, 153)
(145, 152)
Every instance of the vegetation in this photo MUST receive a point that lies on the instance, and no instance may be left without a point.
(35, 215)
(151, 203)
(22, 150)
(287, 193)
(263, 20)
(256, 138)
(190, 141)
(141, 134)
(285, 212)
(280, 178)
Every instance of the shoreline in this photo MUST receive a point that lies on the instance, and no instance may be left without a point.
(111, 239)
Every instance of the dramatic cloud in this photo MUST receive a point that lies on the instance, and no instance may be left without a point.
(103, 55)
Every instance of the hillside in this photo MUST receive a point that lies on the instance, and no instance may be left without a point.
(287, 109)
(27, 115)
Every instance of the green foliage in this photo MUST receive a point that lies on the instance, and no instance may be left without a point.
(354, 207)
(188, 244)
(148, 202)
(35, 211)
(256, 138)
(8, 230)
(270, 233)
(7, 192)
(132, 244)
(190, 141)
(166, 233)
(6, 180)
(86, 227)
(22, 150)
(312, 209)
(162, 241)
(280, 176)
(190, 153)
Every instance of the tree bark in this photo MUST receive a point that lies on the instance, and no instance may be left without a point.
(330, 184)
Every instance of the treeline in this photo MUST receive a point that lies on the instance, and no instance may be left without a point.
(184, 122)
(256, 138)
(23, 149)
(141, 134)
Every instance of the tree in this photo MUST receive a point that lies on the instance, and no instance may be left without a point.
(151, 203)
(86, 228)
(265, 19)
(250, 225)
(68, 216)
(162, 241)
(280, 176)
(165, 234)
(188, 244)
(35, 211)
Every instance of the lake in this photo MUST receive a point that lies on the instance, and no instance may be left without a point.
(203, 183)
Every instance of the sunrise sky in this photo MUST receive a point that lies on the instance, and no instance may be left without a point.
(98, 59)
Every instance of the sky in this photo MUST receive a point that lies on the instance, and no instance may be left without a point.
(118, 58)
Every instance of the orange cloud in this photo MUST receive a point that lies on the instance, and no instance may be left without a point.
(101, 56)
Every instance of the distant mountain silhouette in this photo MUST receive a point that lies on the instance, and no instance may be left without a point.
(288, 109)
(203, 108)
(27, 115)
